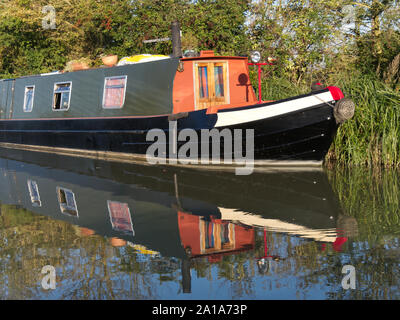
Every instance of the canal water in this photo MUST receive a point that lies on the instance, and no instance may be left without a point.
(124, 231)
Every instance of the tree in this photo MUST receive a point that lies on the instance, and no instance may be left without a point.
(299, 33)
(379, 41)
(88, 28)
(82, 29)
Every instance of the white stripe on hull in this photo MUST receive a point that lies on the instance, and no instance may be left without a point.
(242, 116)
(275, 225)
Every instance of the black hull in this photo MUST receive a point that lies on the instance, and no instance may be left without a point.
(303, 135)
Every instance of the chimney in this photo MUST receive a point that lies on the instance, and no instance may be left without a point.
(176, 40)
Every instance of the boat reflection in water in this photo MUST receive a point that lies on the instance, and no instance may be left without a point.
(173, 212)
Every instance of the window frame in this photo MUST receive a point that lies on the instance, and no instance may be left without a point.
(33, 186)
(110, 213)
(225, 79)
(33, 98)
(212, 100)
(69, 98)
(125, 77)
(65, 210)
(206, 88)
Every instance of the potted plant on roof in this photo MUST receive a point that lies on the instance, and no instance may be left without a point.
(109, 60)
(78, 64)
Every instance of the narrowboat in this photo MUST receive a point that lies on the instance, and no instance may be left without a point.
(108, 112)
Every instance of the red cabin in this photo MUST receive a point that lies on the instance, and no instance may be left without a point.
(214, 237)
(214, 82)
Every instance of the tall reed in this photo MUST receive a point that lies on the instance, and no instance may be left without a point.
(372, 197)
(371, 138)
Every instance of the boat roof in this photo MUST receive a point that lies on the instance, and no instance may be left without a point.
(204, 55)
(209, 55)
(214, 58)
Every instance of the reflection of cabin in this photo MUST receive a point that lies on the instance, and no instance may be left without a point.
(209, 81)
(211, 237)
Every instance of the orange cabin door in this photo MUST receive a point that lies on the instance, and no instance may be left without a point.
(211, 83)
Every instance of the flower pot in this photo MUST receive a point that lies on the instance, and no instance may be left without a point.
(110, 60)
(116, 242)
(86, 232)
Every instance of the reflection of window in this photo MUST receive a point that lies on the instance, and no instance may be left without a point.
(209, 234)
(66, 199)
(62, 96)
(34, 193)
(216, 236)
(120, 217)
(114, 92)
(211, 84)
(28, 98)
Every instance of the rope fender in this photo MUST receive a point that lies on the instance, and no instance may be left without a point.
(344, 110)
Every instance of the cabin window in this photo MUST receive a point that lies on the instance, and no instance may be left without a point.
(211, 84)
(34, 193)
(114, 92)
(62, 96)
(120, 217)
(219, 81)
(28, 99)
(203, 82)
(66, 200)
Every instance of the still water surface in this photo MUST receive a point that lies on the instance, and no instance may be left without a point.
(124, 231)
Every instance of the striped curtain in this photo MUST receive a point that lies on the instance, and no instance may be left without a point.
(203, 82)
(209, 239)
(219, 81)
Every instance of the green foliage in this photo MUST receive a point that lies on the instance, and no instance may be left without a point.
(25, 49)
(372, 137)
(90, 28)
(300, 33)
(218, 25)
(378, 214)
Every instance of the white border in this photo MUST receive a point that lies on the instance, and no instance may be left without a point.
(73, 196)
(33, 182)
(69, 99)
(234, 117)
(33, 97)
(111, 220)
